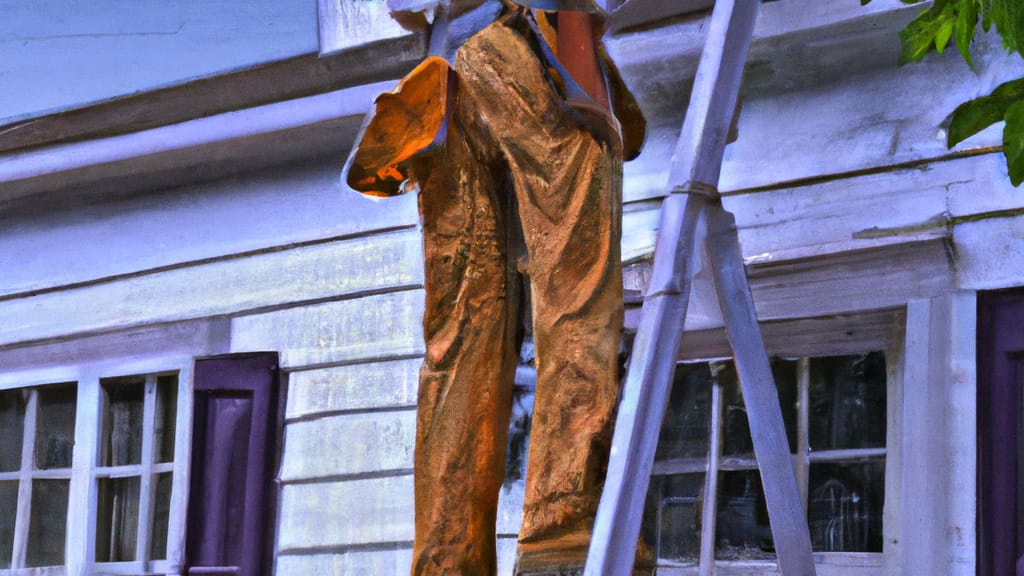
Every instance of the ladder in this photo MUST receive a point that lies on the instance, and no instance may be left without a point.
(692, 195)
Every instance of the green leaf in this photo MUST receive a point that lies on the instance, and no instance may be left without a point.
(966, 25)
(943, 35)
(1008, 16)
(921, 34)
(1013, 142)
(974, 116)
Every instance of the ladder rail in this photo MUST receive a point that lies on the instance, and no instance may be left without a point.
(693, 179)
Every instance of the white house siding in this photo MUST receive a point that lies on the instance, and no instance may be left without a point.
(848, 203)
(61, 54)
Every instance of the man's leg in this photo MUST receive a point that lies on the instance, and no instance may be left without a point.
(568, 188)
(470, 325)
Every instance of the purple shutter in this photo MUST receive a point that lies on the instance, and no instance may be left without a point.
(1000, 441)
(234, 447)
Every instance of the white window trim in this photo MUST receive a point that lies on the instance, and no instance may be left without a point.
(840, 563)
(80, 543)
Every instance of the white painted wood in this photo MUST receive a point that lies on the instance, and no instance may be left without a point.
(24, 365)
(147, 482)
(709, 517)
(801, 460)
(58, 57)
(827, 564)
(355, 563)
(353, 387)
(81, 514)
(795, 85)
(350, 23)
(988, 253)
(24, 512)
(506, 556)
(223, 287)
(387, 501)
(510, 508)
(379, 326)
(75, 242)
(182, 466)
(923, 513)
(217, 145)
(349, 444)
(895, 359)
(961, 456)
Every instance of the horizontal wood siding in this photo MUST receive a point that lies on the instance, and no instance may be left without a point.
(376, 562)
(349, 445)
(222, 287)
(353, 387)
(343, 515)
(124, 236)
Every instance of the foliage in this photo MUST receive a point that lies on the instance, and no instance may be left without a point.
(957, 20)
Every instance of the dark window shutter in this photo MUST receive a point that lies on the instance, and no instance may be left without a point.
(234, 446)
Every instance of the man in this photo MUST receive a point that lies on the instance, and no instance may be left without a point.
(512, 145)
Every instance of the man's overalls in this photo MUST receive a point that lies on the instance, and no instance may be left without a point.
(505, 147)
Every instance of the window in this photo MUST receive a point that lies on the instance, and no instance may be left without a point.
(90, 470)
(834, 409)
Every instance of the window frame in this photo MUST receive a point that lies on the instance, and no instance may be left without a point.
(876, 330)
(80, 539)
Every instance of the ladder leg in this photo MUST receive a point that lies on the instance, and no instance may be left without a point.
(645, 393)
(782, 495)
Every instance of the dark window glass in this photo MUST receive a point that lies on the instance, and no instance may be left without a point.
(121, 442)
(49, 521)
(12, 428)
(743, 531)
(8, 510)
(672, 524)
(166, 412)
(117, 521)
(55, 426)
(848, 402)
(845, 506)
(736, 427)
(161, 516)
(684, 432)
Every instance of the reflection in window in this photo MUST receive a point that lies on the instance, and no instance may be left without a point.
(38, 425)
(837, 437)
(136, 454)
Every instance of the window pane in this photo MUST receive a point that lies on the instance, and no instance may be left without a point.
(736, 433)
(684, 432)
(8, 511)
(675, 535)
(848, 402)
(122, 422)
(743, 531)
(12, 426)
(161, 515)
(49, 523)
(55, 427)
(117, 521)
(166, 411)
(845, 506)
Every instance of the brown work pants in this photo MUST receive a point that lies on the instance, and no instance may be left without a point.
(514, 156)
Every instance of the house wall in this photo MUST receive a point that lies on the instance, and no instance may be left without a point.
(61, 54)
(846, 199)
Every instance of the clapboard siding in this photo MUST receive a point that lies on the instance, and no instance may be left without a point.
(989, 253)
(77, 243)
(348, 445)
(223, 287)
(353, 387)
(866, 121)
(374, 327)
(343, 514)
(354, 563)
